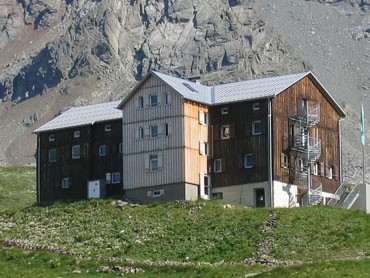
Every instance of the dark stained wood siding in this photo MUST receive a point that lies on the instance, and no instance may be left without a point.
(240, 118)
(89, 166)
(286, 105)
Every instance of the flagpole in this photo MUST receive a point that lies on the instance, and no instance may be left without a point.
(363, 136)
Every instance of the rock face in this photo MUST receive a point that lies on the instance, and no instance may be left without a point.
(58, 53)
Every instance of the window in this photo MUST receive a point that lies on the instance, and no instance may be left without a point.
(284, 160)
(256, 106)
(249, 160)
(51, 137)
(154, 131)
(206, 183)
(203, 117)
(167, 98)
(66, 183)
(141, 102)
(217, 167)
(329, 172)
(256, 127)
(108, 178)
(203, 148)
(153, 101)
(52, 155)
(217, 195)
(102, 150)
(224, 110)
(76, 151)
(120, 148)
(225, 132)
(166, 129)
(140, 133)
(153, 162)
(315, 168)
(300, 165)
(116, 177)
(156, 193)
(76, 134)
(108, 127)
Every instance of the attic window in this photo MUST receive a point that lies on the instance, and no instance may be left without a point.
(190, 87)
(51, 137)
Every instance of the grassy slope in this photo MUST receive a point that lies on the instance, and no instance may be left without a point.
(194, 232)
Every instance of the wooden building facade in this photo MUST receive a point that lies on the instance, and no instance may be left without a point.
(266, 142)
(80, 145)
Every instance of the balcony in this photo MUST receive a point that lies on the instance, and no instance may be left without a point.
(308, 116)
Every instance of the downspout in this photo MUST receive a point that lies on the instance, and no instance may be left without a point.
(269, 132)
(340, 152)
(38, 166)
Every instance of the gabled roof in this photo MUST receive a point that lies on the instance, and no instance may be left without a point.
(238, 91)
(83, 115)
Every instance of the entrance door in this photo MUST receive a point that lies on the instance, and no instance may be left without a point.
(260, 197)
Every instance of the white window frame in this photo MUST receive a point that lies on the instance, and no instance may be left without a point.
(246, 162)
(203, 117)
(66, 183)
(153, 162)
(141, 103)
(76, 148)
(256, 106)
(203, 148)
(152, 102)
(205, 186)
(225, 131)
(254, 124)
(51, 137)
(224, 110)
(217, 165)
(108, 127)
(116, 177)
(52, 155)
(152, 133)
(76, 134)
(103, 150)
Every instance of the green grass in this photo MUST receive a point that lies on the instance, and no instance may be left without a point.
(330, 242)
(17, 187)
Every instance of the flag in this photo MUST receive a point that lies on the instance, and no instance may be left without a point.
(362, 125)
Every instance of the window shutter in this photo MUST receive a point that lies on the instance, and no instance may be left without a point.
(146, 101)
(147, 131)
(201, 117)
(202, 149)
(169, 126)
(137, 133)
(159, 98)
(321, 170)
(160, 130)
(160, 161)
(146, 163)
(137, 102)
(168, 98)
(282, 156)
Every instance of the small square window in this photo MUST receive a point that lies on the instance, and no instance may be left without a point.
(217, 166)
(225, 132)
(224, 110)
(108, 127)
(116, 177)
(154, 131)
(256, 106)
(249, 161)
(52, 155)
(51, 137)
(329, 172)
(153, 162)
(66, 183)
(76, 134)
(156, 193)
(102, 150)
(76, 151)
(256, 127)
(153, 101)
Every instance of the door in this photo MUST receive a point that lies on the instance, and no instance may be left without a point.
(260, 197)
(94, 189)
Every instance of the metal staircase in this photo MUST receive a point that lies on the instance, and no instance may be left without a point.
(344, 197)
(308, 149)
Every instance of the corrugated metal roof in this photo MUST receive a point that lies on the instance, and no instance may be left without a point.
(83, 115)
(232, 92)
(256, 88)
(189, 90)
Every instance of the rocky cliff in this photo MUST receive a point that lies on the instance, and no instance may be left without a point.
(54, 54)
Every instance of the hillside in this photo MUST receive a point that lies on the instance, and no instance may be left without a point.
(56, 54)
(193, 239)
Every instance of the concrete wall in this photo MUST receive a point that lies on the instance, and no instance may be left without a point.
(163, 193)
(243, 194)
(285, 195)
(363, 201)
